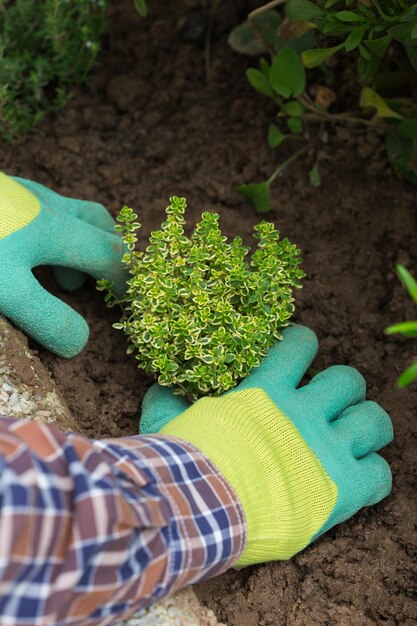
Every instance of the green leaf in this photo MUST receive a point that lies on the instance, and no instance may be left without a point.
(303, 10)
(295, 125)
(379, 46)
(412, 55)
(369, 98)
(402, 154)
(258, 195)
(293, 108)
(207, 358)
(264, 67)
(413, 34)
(287, 74)
(408, 329)
(408, 128)
(275, 136)
(368, 68)
(364, 52)
(401, 32)
(259, 82)
(408, 376)
(349, 16)
(141, 8)
(408, 281)
(314, 176)
(243, 40)
(355, 38)
(314, 58)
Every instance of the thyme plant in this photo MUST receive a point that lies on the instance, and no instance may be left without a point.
(199, 315)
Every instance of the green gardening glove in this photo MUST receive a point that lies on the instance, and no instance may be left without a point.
(299, 459)
(40, 227)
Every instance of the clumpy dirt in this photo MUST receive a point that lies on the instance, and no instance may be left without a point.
(153, 126)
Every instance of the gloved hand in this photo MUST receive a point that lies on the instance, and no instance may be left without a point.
(300, 460)
(40, 227)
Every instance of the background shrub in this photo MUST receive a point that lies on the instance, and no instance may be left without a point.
(45, 47)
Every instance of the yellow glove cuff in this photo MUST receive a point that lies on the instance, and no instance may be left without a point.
(18, 206)
(284, 490)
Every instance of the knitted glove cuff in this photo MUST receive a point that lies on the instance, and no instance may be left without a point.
(284, 490)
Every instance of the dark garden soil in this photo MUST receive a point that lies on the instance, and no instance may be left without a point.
(152, 127)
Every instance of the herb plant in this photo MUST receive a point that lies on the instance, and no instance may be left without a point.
(45, 48)
(408, 329)
(197, 313)
(305, 35)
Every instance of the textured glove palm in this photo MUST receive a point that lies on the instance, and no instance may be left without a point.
(40, 227)
(300, 459)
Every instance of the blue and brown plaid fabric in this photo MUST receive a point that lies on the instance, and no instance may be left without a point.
(91, 531)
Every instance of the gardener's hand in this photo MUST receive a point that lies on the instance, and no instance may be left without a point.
(300, 460)
(40, 227)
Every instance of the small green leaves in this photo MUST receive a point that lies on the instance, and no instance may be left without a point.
(402, 153)
(295, 125)
(314, 176)
(348, 16)
(408, 128)
(243, 40)
(293, 108)
(407, 376)
(197, 314)
(303, 10)
(259, 81)
(258, 195)
(408, 281)
(287, 74)
(407, 329)
(275, 136)
(314, 58)
(370, 98)
(354, 38)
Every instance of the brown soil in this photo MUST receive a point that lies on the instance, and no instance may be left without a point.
(152, 127)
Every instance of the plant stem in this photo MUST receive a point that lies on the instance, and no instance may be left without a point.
(317, 114)
(207, 44)
(282, 166)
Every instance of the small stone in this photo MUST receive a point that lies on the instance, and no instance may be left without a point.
(13, 399)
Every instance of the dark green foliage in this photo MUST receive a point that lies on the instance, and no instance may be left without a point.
(198, 315)
(367, 26)
(45, 47)
(306, 34)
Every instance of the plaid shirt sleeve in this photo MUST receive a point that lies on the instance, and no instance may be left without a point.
(91, 531)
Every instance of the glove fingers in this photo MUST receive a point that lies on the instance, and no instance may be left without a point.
(286, 362)
(378, 477)
(333, 390)
(366, 426)
(42, 316)
(84, 247)
(93, 213)
(68, 278)
(159, 407)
